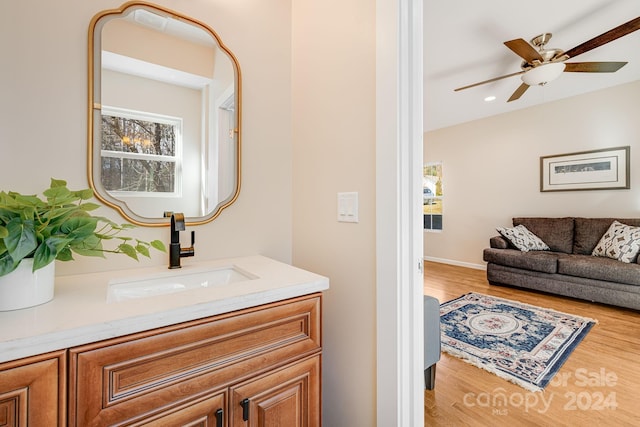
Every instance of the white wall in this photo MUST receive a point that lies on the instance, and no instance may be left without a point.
(491, 168)
(334, 100)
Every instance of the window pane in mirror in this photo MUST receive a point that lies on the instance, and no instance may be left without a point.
(139, 156)
(140, 176)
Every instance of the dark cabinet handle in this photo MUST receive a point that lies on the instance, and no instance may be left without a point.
(219, 414)
(245, 409)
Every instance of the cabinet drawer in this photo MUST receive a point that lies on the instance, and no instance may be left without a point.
(130, 378)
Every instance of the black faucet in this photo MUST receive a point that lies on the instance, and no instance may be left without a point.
(175, 251)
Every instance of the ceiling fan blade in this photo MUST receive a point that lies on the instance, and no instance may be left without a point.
(519, 92)
(489, 81)
(593, 67)
(615, 33)
(524, 50)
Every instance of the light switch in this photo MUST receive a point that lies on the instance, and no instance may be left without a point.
(348, 207)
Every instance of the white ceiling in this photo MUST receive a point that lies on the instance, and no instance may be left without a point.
(463, 44)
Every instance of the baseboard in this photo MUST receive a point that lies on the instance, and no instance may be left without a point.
(456, 263)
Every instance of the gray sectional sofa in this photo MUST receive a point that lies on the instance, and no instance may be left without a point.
(568, 268)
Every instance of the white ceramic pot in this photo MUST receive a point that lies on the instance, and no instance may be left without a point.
(24, 288)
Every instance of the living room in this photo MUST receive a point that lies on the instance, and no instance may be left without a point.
(491, 167)
(454, 263)
(491, 173)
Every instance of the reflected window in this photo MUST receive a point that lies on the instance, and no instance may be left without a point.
(432, 197)
(140, 153)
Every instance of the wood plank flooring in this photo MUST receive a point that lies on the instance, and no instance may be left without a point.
(599, 385)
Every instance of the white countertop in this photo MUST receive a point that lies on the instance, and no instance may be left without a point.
(80, 314)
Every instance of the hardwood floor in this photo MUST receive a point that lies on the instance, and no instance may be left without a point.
(599, 385)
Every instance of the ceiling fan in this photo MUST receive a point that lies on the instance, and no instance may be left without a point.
(544, 65)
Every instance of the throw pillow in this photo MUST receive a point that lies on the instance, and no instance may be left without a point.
(523, 239)
(620, 241)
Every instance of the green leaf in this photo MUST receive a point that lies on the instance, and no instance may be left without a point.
(90, 246)
(57, 183)
(59, 214)
(159, 245)
(3, 232)
(143, 249)
(60, 195)
(104, 236)
(45, 254)
(22, 201)
(28, 212)
(7, 265)
(128, 250)
(84, 194)
(57, 242)
(65, 255)
(78, 227)
(21, 240)
(89, 206)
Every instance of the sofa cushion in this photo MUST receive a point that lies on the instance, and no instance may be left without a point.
(523, 239)
(588, 232)
(598, 268)
(620, 242)
(557, 233)
(543, 261)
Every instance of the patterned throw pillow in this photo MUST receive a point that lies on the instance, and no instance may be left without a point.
(621, 242)
(523, 239)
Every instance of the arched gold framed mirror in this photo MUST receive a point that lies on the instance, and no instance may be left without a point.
(164, 115)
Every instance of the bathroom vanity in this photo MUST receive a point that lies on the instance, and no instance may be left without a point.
(240, 352)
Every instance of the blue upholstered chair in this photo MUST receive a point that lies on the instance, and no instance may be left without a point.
(431, 340)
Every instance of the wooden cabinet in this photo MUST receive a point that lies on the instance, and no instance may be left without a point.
(33, 390)
(255, 367)
(288, 397)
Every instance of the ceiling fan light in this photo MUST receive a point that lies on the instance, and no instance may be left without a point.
(543, 74)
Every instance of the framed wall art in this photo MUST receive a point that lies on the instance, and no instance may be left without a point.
(606, 169)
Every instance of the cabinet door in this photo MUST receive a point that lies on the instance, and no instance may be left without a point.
(208, 411)
(289, 397)
(33, 390)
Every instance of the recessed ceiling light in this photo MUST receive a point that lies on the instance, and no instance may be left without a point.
(490, 98)
(150, 19)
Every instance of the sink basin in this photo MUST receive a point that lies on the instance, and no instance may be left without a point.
(173, 281)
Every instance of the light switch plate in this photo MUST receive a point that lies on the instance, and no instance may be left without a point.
(348, 207)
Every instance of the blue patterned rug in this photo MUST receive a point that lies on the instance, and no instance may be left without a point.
(519, 342)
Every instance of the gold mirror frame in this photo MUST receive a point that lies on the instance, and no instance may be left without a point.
(95, 109)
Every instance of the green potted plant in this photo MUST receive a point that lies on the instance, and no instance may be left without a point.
(34, 232)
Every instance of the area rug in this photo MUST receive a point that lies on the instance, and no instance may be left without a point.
(519, 342)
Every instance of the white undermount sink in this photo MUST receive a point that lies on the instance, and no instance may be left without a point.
(173, 281)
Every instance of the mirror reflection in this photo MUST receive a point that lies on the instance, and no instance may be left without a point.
(164, 115)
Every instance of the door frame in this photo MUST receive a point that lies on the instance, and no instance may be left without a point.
(399, 230)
